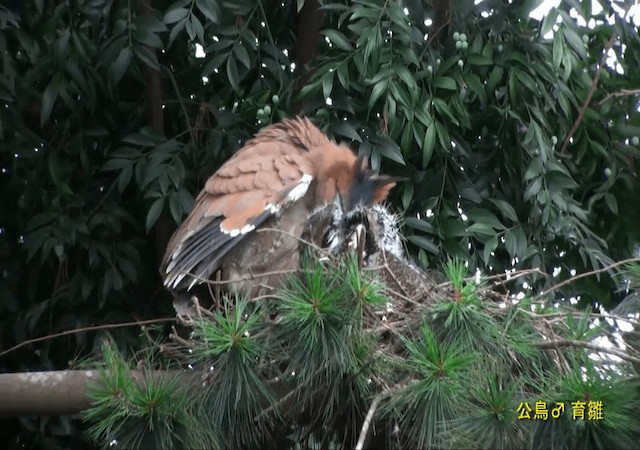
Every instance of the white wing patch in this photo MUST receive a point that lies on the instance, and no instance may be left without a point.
(295, 193)
(300, 189)
(244, 230)
(272, 208)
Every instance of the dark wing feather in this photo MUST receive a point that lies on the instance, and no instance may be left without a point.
(199, 245)
(202, 254)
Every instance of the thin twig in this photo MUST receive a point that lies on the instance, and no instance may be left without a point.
(598, 315)
(512, 275)
(175, 337)
(97, 206)
(182, 105)
(594, 84)
(437, 32)
(82, 330)
(270, 36)
(587, 274)
(297, 238)
(250, 277)
(588, 345)
(509, 276)
(620, 93)
(367, 422)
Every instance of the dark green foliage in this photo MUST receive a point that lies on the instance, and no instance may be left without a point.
(481, 128)
(108, 131)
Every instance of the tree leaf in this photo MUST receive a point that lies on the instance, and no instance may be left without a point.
(150, 22)
(534, 169)
(175, 207)
(486, 217)
(481, 229)
(147, 37)
(175, 15)
(206, 7)
(389, 149)
(232, 73)
(327, 84)
(549, 21)
(41, 219)
(344, 128)
(143, 139)
(125, 177)
(378, 89)
(48, 100)
(120, 65)
(558, 180)
(154, 213)
(532, 189)
(445, 83)
(558, 50)
(444, 109)
(489, 247)
(511, 243)
(147, 56)
(494, 78)
(116, 164)
(407, 195)
(185, 199)
(474, 83)
(195, 25)
(243, 56)
(479, 60)
(404, 74)
(338, 39)
(424, 243)
(419, 224)
(214, 64)
(505, 208)
(175, 31)
(428, 145)
(575, 41)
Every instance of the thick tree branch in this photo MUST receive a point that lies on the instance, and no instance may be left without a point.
(162, 228)
(441, 19)
(310, 20)
(53, 393)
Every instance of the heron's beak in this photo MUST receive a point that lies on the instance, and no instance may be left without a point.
(357, 241)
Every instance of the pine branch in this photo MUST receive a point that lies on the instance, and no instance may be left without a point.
(364, 431)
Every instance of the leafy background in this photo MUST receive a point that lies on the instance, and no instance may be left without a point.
(520, 145)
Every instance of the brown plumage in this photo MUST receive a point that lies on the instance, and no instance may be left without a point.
(273, 183)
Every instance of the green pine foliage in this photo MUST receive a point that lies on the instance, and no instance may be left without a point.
(304, 369)
(518, 139)
(146, 411)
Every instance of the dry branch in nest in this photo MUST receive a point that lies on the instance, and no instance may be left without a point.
(372, 235)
